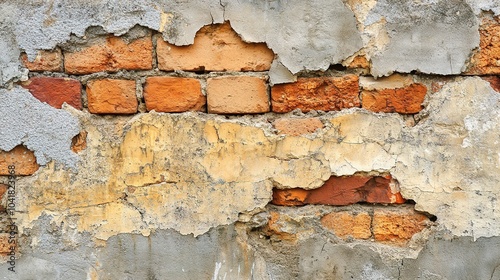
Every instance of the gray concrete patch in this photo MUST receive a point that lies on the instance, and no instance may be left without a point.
(41, 128)
(426, 36)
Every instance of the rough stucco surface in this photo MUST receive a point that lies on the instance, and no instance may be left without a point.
(326, 33)
(186, 196)
(41, 128)
(427, 36)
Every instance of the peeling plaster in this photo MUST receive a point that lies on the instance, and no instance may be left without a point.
(41, 128)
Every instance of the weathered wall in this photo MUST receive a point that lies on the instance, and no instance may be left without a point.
(250, 139)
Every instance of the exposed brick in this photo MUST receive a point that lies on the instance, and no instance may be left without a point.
(55, 91)
(109, 96)
(112, 55)
(295, 127)
(407, 100)
(289, 197)
(44, 61)
(5, 246)
(494, 82)
(487, 59)
(3, 190)
(353, 189)
(216, 48)
(170, 94)
(342, 191)
(237, 95)
(346, 224)
(23, 159)
(79, 142)
(277, 228)
(398, 225)
(359, 61)
(324, 93)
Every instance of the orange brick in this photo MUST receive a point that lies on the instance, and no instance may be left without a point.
(407, 100)
(237, 95)
(345, 224)
(108, 96)
(44, 61)
(79, 142)
(398, 225)
(5, 246)
(289, 197)
(324, 93)
(170, 94)
(216, 48)
(112, 55)
(278, 228)
(23, 159)
(487, 59)
(295, 127)
(3, 190)
(359, 61)
(55, 91)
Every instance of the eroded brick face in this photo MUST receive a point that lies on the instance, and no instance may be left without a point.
(237, 95)
(296, 127)
(406, 100)
(345, 224)
(111, 96)
(56, 91)
(216, 48)
(487, 60)
(397, 225)
(44, 61)
(111, 55)
(171, 94)
(23, 159)
(322, 93)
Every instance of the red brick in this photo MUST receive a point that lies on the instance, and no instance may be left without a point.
(494, 82)
(487, 60)
(353, 189)
(237, 95)
(407, 100)
(346, 224)
(324, 93)
(398, 225)
(44, 61)
(108, 96)
(342, 191)
(295, 127)
(112, 55)
(55, 91)
(216, 48)
(23, 159)
(170, 94)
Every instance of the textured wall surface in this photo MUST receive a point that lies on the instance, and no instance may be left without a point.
(344, 139)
